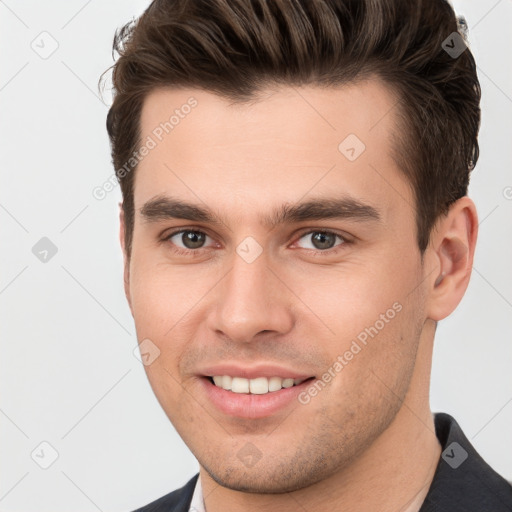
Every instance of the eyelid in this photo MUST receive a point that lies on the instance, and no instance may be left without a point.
(307, 231)
(166, 233)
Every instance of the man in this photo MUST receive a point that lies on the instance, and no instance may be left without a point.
(294, 224)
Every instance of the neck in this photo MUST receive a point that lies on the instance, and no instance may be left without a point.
(393, 475)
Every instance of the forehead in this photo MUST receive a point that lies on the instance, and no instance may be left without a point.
(290, 142)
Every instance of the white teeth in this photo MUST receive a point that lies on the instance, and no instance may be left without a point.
(222, 381)
(240, 385)
(275, 383)
(226, 382)
(257, 386)
(287, 383)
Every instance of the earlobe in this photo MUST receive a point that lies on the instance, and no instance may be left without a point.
(453, 247)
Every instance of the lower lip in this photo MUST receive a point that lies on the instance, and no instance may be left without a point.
(251, 406)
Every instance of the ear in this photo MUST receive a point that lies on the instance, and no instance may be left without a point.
(451, 251)
(126, 259)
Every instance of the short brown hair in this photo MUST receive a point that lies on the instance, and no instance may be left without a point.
(234, 48)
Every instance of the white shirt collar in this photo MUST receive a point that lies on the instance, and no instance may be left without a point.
(197, 503)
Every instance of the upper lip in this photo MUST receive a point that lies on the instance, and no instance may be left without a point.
(252, 372)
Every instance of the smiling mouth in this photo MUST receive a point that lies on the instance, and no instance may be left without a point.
(257, 386)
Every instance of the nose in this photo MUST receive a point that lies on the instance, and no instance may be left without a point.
(251, 300)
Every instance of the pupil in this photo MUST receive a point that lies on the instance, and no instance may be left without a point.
(193, 239)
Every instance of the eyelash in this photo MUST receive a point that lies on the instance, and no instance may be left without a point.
(314, 252)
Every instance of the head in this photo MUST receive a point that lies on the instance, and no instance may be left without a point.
(319, 154)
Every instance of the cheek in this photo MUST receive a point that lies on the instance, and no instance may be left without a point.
(162, 295)
(348, 300)
(371, 317)
(159, 309)
(166, 312)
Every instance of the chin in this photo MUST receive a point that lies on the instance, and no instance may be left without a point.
(263, 480)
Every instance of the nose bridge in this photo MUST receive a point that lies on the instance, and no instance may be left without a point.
(250, 300)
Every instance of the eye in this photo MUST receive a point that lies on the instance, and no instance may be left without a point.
(323, 241)
(190, 240)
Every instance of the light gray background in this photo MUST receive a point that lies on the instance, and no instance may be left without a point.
(68, 373)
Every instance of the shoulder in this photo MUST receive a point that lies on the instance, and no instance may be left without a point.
(463, 480)
(176, 501)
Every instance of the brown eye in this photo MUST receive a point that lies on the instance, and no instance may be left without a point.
(188, 239)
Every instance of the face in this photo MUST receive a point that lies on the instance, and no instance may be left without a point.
(274, 244)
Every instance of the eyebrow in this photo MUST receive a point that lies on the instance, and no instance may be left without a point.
(164, 208)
